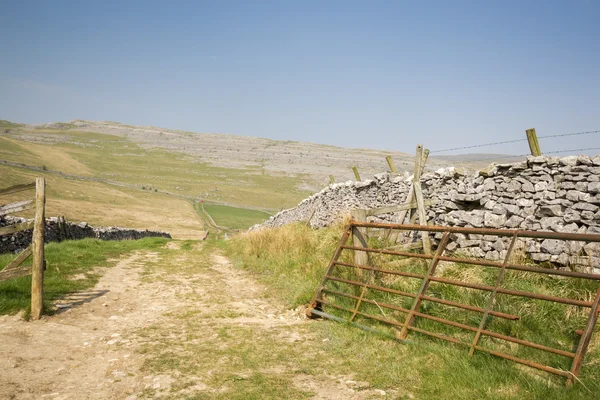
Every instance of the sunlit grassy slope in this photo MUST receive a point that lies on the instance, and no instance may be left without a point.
(107, 205)
(117, 158)
(140, 188)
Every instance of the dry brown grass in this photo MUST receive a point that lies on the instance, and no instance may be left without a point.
(56, 159)
(104, 205)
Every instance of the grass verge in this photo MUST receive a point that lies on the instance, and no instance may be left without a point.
(71, 266)
(292, 259)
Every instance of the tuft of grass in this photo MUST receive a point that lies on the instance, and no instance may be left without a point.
(63, 261)
(291, 259)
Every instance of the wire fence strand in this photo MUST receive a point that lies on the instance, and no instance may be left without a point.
(479, 145)
(518, 141)
(568, 134)
(572, 150)
(523, 156)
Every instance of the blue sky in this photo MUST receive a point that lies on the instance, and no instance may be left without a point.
(374, 74)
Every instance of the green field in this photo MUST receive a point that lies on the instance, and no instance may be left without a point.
(234, 217)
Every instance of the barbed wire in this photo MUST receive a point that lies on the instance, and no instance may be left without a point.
(497, 157)
(514, 141)
(529, 154)
(479, 145)
(571, 151)
(568, 134)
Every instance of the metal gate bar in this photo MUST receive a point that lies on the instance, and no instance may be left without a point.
(424, 286)
(587, 237)
(459, 325)
(429, 298)
(334, 258)
(484, 263)
(456, 341)
(487, 288)
(319, 299)
(492, 298)
(584, 341)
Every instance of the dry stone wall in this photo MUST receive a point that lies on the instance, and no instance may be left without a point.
(542, 193)
(57, 230)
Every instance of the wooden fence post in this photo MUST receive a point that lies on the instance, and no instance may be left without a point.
(420, 159)
(419, 156)
(37, 268)
(356, 175)
(359, 237)
(424, 160)
(534, 145)
(331, 179)
(391, 164)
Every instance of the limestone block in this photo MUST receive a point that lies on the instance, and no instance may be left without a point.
(569, 161)
(492, 220)
(593, 187)
(551, 223)
(540, 257)
(553, 246)
(527, 187)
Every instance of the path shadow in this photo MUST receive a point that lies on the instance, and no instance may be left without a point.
(73, 300)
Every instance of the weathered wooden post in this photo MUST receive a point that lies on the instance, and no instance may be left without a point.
(37, 268)
(424, 160)
(356, 175)
(534, 145)
(420, 158)
(359, 237)
(391, 164)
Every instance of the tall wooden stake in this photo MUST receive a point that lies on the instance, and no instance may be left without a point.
(420, 157)
(37, 269)
(391, 164)
(359, 237)
(534, 145)
(424, 160)
(356, 175)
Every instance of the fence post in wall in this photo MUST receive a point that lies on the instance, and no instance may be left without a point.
(37, 268)
(359, 237)
(424, 160)
(356, 175)
(534, 145)
(391, 164)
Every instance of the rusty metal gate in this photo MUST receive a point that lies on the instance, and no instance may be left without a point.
(353, 291)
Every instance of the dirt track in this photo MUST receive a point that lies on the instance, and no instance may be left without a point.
(103, 343)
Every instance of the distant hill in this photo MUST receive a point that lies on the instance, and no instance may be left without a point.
(314, 162)
(108, 173)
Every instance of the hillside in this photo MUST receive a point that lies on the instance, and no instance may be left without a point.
(312, 163)
(112, 173)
